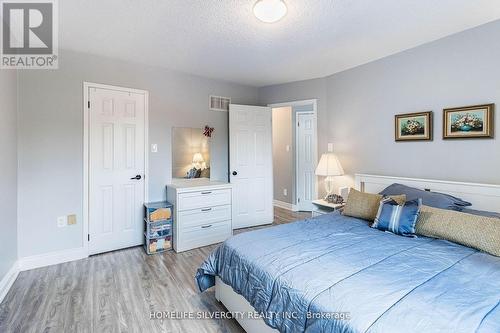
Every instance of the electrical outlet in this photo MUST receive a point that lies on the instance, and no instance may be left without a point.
(330, 147)
(285, 192)
(71, 219)
(62, 221)
(154, 148)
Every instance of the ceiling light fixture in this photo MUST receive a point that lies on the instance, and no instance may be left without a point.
(270, 11)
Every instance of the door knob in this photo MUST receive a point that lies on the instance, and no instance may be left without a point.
(138, 177)
(234, 173)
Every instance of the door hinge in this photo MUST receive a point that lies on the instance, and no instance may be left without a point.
(298, 124)
(88, 103)
(88, 237)
(298, 199)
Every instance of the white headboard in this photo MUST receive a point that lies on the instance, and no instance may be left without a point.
(482, 196)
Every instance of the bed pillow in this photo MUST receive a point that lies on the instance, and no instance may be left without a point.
(433, 199)
(362, 205)
(400, 199)
(398, 219)
(365, 205)
(479, 232)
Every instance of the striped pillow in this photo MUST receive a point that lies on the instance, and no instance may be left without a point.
(398, 219)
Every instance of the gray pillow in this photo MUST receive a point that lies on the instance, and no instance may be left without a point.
(432, 199)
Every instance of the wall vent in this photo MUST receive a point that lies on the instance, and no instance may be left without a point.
(218, 103)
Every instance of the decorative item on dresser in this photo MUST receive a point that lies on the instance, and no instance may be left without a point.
(202, 212)
(157, 227)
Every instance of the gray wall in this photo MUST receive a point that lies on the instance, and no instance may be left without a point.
(51, 130)
(283, 161)
(8, 166)
(357, 108)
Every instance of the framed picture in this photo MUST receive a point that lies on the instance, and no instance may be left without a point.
(468, 122)
(414, 126)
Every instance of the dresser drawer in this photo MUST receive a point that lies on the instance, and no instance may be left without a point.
(205, 234)
(203, 199)
(203, 216)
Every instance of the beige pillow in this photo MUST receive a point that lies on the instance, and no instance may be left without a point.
(400, 199)
(362, 205)
(479, 232)
(365, 205)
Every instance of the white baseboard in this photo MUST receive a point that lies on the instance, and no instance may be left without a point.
(8, 280)
(52, 258)
(285, 205)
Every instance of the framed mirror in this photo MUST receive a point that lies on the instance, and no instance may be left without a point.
(190, 153)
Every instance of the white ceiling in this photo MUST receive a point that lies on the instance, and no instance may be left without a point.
(222, 39)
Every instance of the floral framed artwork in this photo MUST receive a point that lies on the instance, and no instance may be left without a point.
(413, 126)
(468, 122)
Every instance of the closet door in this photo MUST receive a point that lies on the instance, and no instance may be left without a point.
(306, 160)
(116, 169)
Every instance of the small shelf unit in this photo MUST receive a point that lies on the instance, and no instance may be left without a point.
(158, 227)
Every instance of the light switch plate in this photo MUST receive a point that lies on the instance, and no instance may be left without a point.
(71, 219)
(62, 221)
(285, 192)
(154, 148)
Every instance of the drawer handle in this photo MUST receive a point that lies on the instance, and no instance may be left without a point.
(207, 192)
(206, 226)
(206, 209)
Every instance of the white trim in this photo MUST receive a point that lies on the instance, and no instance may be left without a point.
(52, 258)
(8, 280)
(86, 157)
(285, 205)
(482, 196)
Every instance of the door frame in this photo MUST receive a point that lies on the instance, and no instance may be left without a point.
(314, 102)
(86, 150)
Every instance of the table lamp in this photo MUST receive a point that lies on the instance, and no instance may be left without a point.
(329, 166)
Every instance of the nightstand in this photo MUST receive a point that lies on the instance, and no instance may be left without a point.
(324, 207)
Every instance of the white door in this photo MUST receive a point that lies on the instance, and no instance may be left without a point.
(306, 160)
(251, 165)
(116, 168)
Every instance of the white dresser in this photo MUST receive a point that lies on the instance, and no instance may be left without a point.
(202, 212)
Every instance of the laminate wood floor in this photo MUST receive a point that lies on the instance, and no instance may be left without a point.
(116, 292)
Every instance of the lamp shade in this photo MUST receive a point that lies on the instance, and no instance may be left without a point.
(329, 165)
(198, 158)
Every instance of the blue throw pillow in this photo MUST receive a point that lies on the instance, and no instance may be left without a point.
(400, 220)
(432, 199)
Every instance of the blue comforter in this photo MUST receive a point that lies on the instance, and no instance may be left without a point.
(335, 274)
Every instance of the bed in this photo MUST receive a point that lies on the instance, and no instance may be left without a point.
(335, 274)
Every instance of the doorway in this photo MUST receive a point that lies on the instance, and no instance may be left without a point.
(295, 154)
(115, 166)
